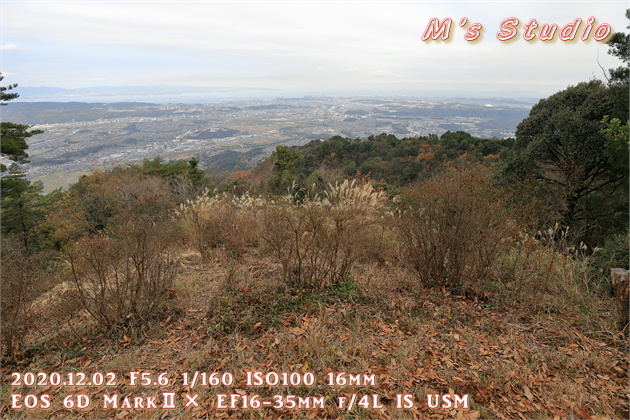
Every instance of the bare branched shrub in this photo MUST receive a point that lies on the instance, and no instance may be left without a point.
(23, 278)
(19, 279)
(126, 275)
(453, 227)
(222, 220)
(318, 240)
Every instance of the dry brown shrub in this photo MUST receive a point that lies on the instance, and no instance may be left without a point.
(318, 241)
(127, 275)
(123, 272)
(24, 278)
(453, 227)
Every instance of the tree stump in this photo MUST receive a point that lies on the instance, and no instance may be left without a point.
(620, 283)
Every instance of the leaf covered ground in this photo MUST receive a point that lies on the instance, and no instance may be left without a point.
(237, 317)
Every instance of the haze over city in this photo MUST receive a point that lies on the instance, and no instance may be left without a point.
(267, 49)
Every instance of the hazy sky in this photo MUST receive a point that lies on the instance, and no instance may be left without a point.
(300, 47)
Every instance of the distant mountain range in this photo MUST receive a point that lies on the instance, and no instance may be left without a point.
(197, 94)
(152, 94)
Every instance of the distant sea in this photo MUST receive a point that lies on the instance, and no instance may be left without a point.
(147, 94)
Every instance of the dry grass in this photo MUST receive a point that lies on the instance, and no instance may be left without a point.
(546, 277)
(221, 221)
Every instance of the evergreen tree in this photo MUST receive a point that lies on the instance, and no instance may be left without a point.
(619, 79)
(19, 206)
(4, 96)
(13, 136)
(619, 45)
(563, 144)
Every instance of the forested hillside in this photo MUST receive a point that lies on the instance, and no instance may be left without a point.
(387, 159)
